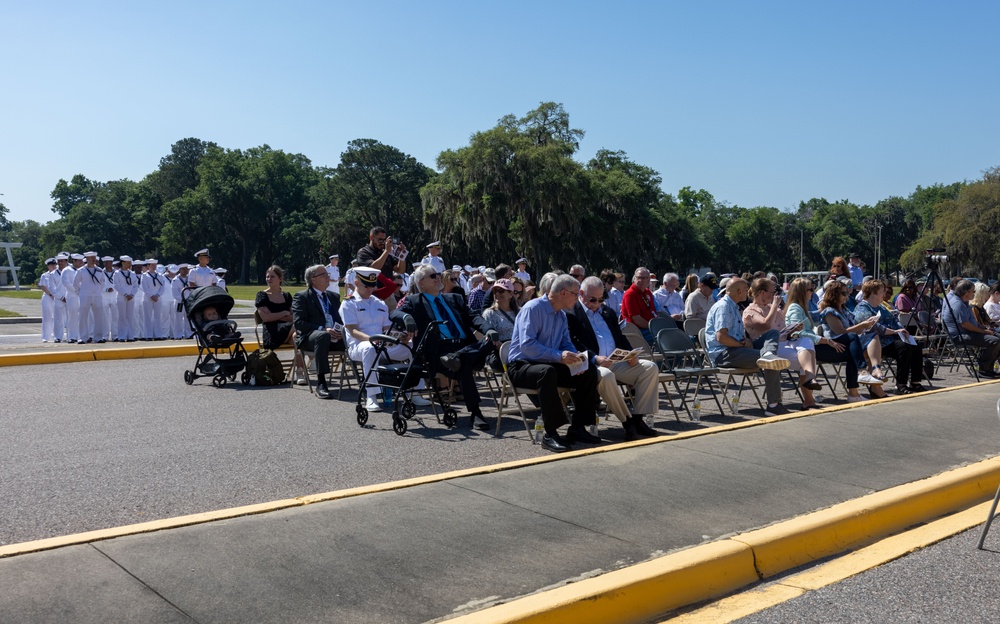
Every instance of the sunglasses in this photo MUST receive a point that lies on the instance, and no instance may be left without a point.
(433, 276)
(518, 292)
(596, 300)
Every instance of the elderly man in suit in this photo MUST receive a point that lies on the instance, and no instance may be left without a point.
(456, 327)
(593, 327)
(318, 326)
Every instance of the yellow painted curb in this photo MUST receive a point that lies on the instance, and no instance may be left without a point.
(48, 357)
(634, 594)
(783, 546)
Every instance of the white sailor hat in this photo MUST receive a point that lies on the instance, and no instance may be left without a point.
(107, 259)
(62, 256)
(90, 254)
(161, 269)
(183, 265)
(151, 261)
(457, 267)
(203, 252)
(490, 275)
(482, 268)
(468, 268)
(522, 261)
(434, 244)
(220, 271)
(76, 256)
(50, 261)
(139, 261)
(334, 256)
(367, 275)
(126, 258)
(172, 268)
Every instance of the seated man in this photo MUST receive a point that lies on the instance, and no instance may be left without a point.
(701, 300)
(316, 319)
(593, 327)
(961, 325)
(541, 353)
(364, 316)
(456, 333)
(667, 298)
(638, 305)
(729, 347)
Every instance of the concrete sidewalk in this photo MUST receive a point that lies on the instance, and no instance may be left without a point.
(450, 545)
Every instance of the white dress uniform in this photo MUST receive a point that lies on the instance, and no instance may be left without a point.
(181, 328)
(153, 285)
(167, 305)
(371, 315)
(110, 306)
(91, 282)
(333, 272)
(126, 284)
(349, 282)
(48, 306)
(58, 290)
(72, 304)
(201, 276)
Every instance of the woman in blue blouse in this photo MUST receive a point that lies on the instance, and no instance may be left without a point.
(894, 338)
(839, 324)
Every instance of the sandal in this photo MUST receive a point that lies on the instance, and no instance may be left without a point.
(916, 387)
(877, 396)
(879, 374)
(903, 390)
(810, 383)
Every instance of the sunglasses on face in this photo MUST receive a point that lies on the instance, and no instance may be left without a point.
(596, 300)
(433, 276)
(518, 292)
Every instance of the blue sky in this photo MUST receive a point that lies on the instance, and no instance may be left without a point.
(766, 103)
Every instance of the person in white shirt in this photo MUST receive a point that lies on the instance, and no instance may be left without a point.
(180, 327)
(220, 278)
(334, 272)
(48, 301)
(522, 269)
(153, 285)
(365, 315)
(126, 284)
(433, 257)
(667, 298)
(72, 298)
(110, 300)
(90, 282)
(58, 290)
(202, 275)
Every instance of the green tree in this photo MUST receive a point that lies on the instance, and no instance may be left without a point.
(178, 171)
(67, 195)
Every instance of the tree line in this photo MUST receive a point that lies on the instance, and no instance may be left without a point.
(515, 190)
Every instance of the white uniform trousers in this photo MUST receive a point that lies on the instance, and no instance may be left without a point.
(110, 316)
(73, 316)
(126, 309)
(153, 315)
(138, 318)
(643, 377)
(91, 315)
(364, 352)
(58, 319)
(48, 318)
(181, 329)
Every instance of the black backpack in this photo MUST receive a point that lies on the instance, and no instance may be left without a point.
(265, 368)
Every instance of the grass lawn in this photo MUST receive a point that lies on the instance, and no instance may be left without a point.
(8, 313)
(249, 293)
(22, 294)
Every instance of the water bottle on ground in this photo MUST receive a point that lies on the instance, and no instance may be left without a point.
(734, 401)
(539, 430)
(696, 414)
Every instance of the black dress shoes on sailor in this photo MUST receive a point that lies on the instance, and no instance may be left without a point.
(555, 443)
(451, 362)
(323, 392)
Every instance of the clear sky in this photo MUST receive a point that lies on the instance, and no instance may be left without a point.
(760, 103)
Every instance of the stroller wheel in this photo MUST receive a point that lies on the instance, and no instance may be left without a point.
(450, 418)
(188, 377)
(245, 378)
(398, 424)
(409, 410)
(362, 416)
(219, 381)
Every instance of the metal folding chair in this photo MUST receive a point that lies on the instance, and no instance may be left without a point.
(993, 508)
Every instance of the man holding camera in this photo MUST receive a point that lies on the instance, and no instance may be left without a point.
(377, 254)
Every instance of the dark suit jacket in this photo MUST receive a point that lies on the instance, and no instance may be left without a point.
(581, 332)
(419, 307)
(307, 314)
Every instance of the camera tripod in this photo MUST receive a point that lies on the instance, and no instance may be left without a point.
(928, 288)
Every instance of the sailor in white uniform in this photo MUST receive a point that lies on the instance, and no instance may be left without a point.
(110, 300)
(126, 284)
(220, 278)
(90, 282)
(153, 285)
(522, 269)
(48, 301)
(203, 275)
(433, 257)
(365, 315)
(334, 272)
(58, 290)
(167, 301)
(181, 327)
(72, 298)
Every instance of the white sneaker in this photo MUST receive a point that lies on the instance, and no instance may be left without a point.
(771, 361)
(372, 405)
(419, 401)
(868, 380)
(854, 399)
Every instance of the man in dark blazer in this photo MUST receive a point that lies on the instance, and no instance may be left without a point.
(457, 342)
(589, 317)
(315, 313)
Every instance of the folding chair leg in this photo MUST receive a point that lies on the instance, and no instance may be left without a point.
(989, 519)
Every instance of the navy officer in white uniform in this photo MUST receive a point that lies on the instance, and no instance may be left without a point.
(203, 275)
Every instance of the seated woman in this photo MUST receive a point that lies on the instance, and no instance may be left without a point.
(500, 316)
(761, 316)
(275, 309)
(894, 339)
(981, 296)
(838, 323)
(450, 280)
(992, 305)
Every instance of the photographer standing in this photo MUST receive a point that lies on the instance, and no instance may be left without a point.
(378, 254)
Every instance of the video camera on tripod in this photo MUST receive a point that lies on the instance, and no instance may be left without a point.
(934, 257)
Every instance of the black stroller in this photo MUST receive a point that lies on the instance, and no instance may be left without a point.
(221, 355)
(403, 377)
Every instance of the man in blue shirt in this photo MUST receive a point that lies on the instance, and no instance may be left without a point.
(729, 347)
(857, 273)
(541, 353)
(960, 323)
